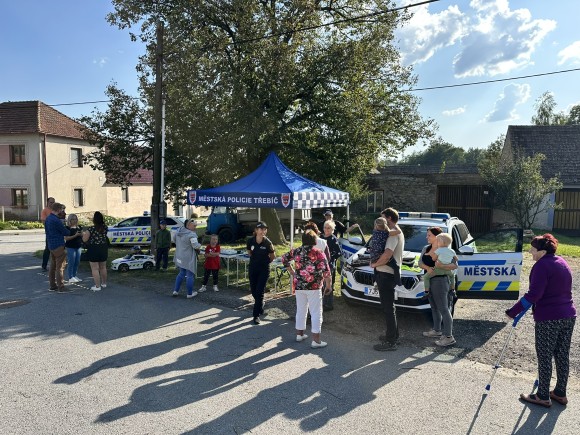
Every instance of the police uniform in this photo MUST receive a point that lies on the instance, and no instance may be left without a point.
(259, 270)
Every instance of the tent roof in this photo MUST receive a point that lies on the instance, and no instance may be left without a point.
(271, 185)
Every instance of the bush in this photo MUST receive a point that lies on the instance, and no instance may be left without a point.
(20, 225)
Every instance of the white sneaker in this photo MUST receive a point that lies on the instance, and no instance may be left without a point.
(215, 288)
(202, 289)
(104, 285)
(175, 294)
(192, 295)
(77, 279)
(302, 337)
(95, 288)
(315, 345)
(432, 333)
(445, 341)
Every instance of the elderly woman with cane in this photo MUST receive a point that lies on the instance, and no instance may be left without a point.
(550, 296)
(310, 270)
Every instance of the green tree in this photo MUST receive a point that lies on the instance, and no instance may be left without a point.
(517, 183)
(329, 100)
(546, 114)
(440, 152)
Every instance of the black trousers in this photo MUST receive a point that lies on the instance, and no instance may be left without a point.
(258, 279)
(45, 255)
(213, 273)
(386, 284)
(162, 256)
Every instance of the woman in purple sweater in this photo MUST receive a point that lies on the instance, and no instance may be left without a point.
(550, 296)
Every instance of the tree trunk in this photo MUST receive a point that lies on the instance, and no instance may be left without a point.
(275, 233)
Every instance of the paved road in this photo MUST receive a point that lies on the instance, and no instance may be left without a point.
(137, 361)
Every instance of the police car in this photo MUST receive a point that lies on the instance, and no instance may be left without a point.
(137, 230)
(489, 265)
(133, 261)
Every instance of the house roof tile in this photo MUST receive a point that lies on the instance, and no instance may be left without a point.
(559, 143)
(18, 117)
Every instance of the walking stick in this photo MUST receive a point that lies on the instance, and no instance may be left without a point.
(498, 363)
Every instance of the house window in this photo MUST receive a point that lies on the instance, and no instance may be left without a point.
(19, 197)
(375, 201)
(78, 198)
(76, 157)
(124, 194)
(17, 155)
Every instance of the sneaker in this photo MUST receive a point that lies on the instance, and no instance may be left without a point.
(215, 288)
(95, 288)
(432, 333)
(257, 321)
(385, 346)
(445, 341)
(315, 345)
(202, 289)
(52, 289)
(175, 293)
(65, 290)
(104, 285)
(192, 295)
(75, 279)
(302, 337)
(384, 338)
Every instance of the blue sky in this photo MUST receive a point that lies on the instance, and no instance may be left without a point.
(63, 51)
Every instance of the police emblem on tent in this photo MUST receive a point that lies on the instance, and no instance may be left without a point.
(192, 195)
(285, 199)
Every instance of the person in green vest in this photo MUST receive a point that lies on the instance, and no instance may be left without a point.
(162, 245)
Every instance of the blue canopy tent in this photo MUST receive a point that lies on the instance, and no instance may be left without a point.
(272, 185)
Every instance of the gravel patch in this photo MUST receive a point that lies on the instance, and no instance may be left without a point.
(480, 327)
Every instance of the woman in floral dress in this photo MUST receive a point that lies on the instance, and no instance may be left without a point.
(309, 272)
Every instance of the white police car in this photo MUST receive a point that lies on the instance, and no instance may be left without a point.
(137, 230)
(133, 261)
(489, 266)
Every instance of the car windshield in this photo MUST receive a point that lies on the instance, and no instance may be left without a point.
(415, 236)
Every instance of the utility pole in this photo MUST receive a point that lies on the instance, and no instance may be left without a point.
(158, 205)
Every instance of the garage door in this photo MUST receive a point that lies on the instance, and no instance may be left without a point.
(567, 219)
(468, 203)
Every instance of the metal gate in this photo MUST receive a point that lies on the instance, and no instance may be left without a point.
(568, 218)
(471, 204)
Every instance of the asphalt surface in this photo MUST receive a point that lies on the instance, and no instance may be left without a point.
(137, 361)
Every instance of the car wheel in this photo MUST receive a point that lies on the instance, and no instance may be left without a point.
(148, 266)
(123, 268)
(226, 235)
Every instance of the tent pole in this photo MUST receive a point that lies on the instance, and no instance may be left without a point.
(291, 228)
(348, 214)
(259, 214)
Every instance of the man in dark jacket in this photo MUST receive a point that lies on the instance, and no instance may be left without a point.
(55, 233)
(162, 244)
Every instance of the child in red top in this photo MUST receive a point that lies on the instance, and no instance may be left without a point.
(212, 263)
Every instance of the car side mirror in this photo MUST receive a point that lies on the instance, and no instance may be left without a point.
(356, 240)
(466, 250)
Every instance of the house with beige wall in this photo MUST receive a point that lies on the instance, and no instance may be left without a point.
(41, 156)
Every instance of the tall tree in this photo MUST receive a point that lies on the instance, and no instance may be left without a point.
(517, 183)
(546, 114)
(440, 152)
(243, 78)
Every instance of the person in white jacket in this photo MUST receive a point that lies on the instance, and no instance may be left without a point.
(186, 246)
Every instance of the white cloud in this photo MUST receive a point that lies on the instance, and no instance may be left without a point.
(454, 112)
(101, 62)
(492, 38)
(426, 33)
(570, 53)
(504, 107)
(500, 40)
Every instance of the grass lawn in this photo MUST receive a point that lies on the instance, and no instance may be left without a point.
(568, 246)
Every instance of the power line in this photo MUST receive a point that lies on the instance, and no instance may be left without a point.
(493, 81)
(332, 23)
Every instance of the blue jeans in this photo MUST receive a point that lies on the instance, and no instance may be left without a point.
(190, 279)
(73, 258)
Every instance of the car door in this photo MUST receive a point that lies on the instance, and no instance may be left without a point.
(490, 265)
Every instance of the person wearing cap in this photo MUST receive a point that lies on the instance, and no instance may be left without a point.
(162, 245)
(261, 252)
(185, 258)
(339, 227)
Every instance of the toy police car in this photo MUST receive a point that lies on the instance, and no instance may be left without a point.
(133, 261)
(137, 230)
(489, 266)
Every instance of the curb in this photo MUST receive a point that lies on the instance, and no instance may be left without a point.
(22, 232)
